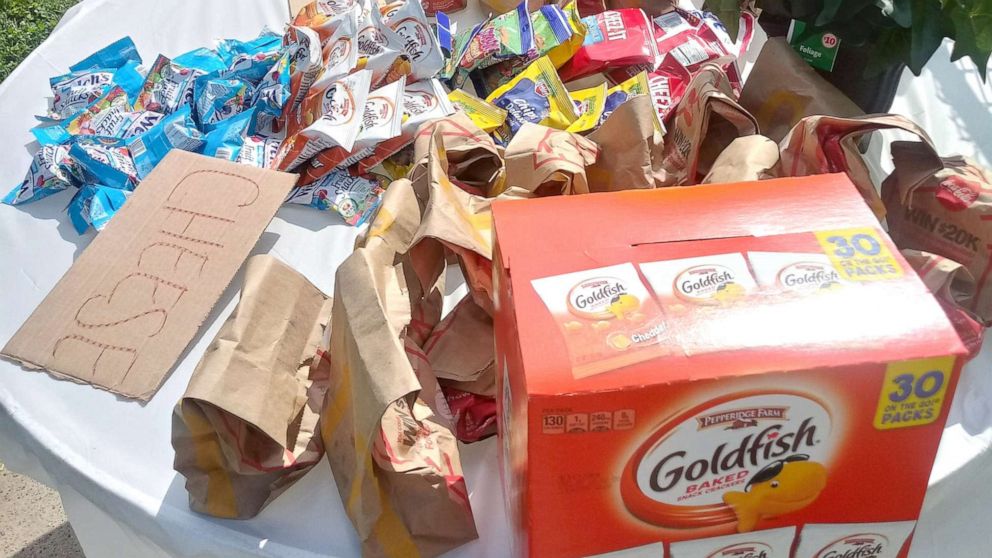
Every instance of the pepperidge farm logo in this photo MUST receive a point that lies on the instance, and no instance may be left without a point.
(745, 550)
(734, 459)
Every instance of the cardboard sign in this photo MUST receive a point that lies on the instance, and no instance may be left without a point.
(126, 309)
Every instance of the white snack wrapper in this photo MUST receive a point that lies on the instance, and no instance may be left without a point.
(861, 540)
(771, 543)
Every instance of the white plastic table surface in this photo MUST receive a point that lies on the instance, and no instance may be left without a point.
(111, 459)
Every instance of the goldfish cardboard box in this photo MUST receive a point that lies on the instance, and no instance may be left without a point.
(717, 371)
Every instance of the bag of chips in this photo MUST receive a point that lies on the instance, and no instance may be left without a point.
(616, 96)
(484, 115)
(589, 106)
(614, 38)
(329, 117)
(536, 95)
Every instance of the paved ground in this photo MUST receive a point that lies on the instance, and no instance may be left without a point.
(32, 522)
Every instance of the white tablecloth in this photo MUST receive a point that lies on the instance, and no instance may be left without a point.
(111, 459)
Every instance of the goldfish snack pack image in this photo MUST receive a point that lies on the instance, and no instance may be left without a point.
(685, 373)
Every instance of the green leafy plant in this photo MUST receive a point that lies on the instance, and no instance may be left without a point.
(908, 31)
(24, 24)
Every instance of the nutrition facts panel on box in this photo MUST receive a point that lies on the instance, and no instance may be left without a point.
(577, 423)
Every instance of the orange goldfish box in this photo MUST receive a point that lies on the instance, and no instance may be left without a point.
(725, 371)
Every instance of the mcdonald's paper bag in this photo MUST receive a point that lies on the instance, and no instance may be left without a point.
(245, 430)
(704, 123)
(548, 162)
(782, 89)
(746, 158)
(630, 149)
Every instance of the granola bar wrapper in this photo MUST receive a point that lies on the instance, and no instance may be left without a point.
(705, 122)
(821, 144)
(247, 427)
(954, 287)
(386, 424)
(943, 205)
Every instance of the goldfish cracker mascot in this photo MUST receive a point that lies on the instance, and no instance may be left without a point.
(783, 486)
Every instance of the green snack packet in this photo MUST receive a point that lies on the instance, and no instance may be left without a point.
(505, 36)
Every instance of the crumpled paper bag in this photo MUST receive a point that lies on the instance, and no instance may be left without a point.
(943, 205)
(630, 149)
(954, 287)
(244, 431)
(746, 158)
(546, 162)
(824, 144)
(386, 423)
(704, 124)
(782, 89)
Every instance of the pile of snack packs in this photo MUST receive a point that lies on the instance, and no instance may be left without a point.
(339, 96)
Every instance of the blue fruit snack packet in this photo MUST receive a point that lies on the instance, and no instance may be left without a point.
(175, 131)
(102, 160)
(94, 205)
(114, 55)
(216, 98)
(45, 176)
(225, 139)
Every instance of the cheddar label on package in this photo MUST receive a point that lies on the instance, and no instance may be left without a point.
(859, 254)
(913, 392)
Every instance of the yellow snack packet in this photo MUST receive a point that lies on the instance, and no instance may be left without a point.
(535, 95)
(589, 104)
(484, 115)
(618, 95)
(563, 52)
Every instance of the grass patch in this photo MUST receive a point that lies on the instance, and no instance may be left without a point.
(24, 24)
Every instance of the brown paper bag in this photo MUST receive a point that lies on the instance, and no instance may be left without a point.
(954, 287)
(630, 148)
(704, 123)
(746, 158)
(782, 89)
(943, 206)
(547, 162)
(244, 430)
(386, 424)
(822, 144)
(471, 157)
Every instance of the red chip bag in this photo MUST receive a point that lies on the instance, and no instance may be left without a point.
(474, 415)
(615, 38)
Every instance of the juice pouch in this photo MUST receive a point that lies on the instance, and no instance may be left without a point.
(250, 60)
(45, 176)
(215, 98)
(770, 543)
(616, 96)
(614, 38)
(355, 198)
(175, 131)
(331, 116)
(795, 272)
(606, 317)
(505, 36)
(423, 101)
(419, 42)
(486, 116)
(382, 118)
(94, 205)
(875, 540)
(536, 95)
(225, 139)
(114, 55)
(589, 105)
(167, 87)
(103, 160)
(305, 64)
(259, 151)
